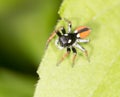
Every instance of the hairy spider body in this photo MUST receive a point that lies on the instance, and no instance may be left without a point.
(67, 40)
(70, 39)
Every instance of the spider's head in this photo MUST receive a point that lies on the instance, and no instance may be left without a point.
(63, 41)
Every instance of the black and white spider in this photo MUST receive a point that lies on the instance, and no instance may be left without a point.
(70, 39)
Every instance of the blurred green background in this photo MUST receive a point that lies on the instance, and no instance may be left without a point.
(24, 28)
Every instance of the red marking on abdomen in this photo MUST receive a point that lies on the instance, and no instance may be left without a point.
(83, 31)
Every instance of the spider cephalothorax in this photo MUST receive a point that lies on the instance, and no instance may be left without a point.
(70, 40)
(67, 40)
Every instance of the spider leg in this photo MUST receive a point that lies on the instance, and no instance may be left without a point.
(63, 30)
(83, 50)
(75, 53)
(64, 56)
(83, 40)
(52, 36)
(69, 25)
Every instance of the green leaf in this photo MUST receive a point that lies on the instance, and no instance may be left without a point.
(100, 77)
